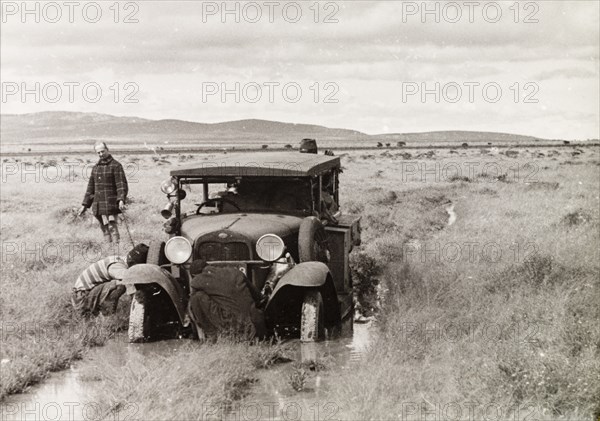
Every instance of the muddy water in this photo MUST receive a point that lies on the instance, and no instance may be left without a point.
(68, 395)
(274, 398)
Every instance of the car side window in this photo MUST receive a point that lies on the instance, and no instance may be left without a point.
(293, 195)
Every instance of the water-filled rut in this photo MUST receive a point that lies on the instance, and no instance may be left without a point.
(69, 394)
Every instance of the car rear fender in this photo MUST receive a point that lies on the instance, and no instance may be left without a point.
(147, 274)
(290, 291)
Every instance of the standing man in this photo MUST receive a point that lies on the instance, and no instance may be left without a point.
(106, 192)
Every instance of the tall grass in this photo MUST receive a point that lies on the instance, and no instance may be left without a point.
(508, 331)
(199, 381)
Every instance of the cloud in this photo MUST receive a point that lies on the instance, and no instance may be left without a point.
(567, 73)
(373, 47)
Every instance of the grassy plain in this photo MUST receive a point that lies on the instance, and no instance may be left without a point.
(495, 316)
(496, 312)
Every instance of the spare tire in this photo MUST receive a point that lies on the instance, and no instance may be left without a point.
(312, 241)
(156, 253)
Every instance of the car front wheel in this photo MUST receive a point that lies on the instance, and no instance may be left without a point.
(139, 317)
(312, 326)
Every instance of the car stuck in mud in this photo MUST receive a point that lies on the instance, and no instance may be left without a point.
(275, 218)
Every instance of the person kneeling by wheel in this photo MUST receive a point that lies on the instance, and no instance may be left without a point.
(96, 289)
(222, 300)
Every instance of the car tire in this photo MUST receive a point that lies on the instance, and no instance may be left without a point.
(310, 236)
(139, 318)
(312, 323)
(156, 253)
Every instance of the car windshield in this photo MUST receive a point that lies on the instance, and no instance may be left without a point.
(259, 194)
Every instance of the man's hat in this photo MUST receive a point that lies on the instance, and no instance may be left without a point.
(137, 255)
(308, 146)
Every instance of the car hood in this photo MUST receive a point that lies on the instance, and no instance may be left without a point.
(251, 226)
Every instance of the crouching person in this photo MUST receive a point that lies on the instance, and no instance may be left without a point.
(222, 300)
(96, 290)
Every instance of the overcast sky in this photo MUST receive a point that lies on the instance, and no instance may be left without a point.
(362, 65)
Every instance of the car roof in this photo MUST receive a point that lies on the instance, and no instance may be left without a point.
(260, 164)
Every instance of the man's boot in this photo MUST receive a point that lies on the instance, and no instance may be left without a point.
(114, 231)
(106, 233)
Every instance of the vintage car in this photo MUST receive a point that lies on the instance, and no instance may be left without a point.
(275, 217)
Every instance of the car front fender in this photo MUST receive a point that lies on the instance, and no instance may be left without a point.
(146, 274)
(289, 292)
(307, 274)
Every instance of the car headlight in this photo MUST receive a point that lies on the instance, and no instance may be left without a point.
(168, 186)
(178, 250)
(270, 247)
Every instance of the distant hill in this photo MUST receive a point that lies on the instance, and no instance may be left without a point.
(50, 127)
(79, 129)
(455, 136)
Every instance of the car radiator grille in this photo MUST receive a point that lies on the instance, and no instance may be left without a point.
(211, 251)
